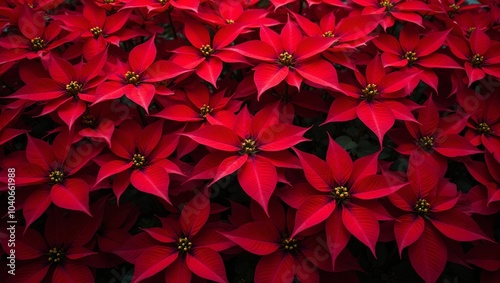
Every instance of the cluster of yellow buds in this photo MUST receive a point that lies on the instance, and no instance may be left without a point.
(38, 43)
(483, 128)
(55, 255)
(184, 245)
(369, 92)
(426, 142)
(340, 193)
(249, 146)
(206, 50)
(422, 206)
(74, 88)
(289, 244)
(96, 31)
(138, 160)
(56, 176)
(286, 59)
(477, 60)
(205, 109)
(131, 77)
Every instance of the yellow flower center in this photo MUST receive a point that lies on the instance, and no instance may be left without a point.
(328, 34)
(369, 92)
(290, 244)
(455, 7)
(422, 207)
(74, 88)
(249, 147)
(228, 21)
(96, 31)
(483, 128)
(184, 245)
(37, 43)
(426, 142)
(340, 194)
(55, 255)
(132, 77)
(477, 60)
(411, 57)
(285, 59)
(469, 31)
(205, 109)
(138, 161)
(56, 176)
(109, 1)
(387, 4)
(206, 50)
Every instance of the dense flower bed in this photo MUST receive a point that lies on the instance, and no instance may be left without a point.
(250, 141)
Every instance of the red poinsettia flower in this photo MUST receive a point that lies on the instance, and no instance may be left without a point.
(68, 89)
(139, 156)
(349, 33)
(432, 216)
(99, 121)
(453, 7)
(252, 146)
(290, 57)
(192, 106)
(95, 28)
(283, 256)
(481, 55)
(345, 197)
(206, 56)
(417, 54)
(377, 99)
(56, 255)
(55, 173)
(158, 6)
(185, 246)
(483, 127)
(406, 11)
(232, 12)
(37, 38)
(135, 78)
(435, 139)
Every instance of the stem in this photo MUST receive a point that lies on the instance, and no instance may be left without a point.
(171, 23)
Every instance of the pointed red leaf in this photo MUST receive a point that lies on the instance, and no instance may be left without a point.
(337, 235)
(35, 205)
(362, 224)
(457, 225)
(152, 180)
(111, 168)
(229, 166)
(258, 178)
(312, 211)
(375, 186)
(71, 194)
(142, 56)
(209, 70)
(339, 161)
(40, 153)
(428, 255)
(454, 145)
(267, 76)
(280, 136)
(152, 261)
(377, 117)
(320, 72)
(207, 264)
(216, 136)
(260, 237)
(317, 172)
(407, 229)
(195, 214)
(256, 49)
(276, 268)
